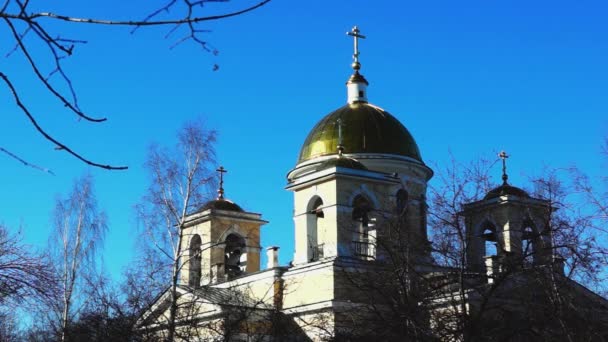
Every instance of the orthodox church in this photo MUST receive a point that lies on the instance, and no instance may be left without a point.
(363, 267)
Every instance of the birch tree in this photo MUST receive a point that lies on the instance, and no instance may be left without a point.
(179, 185)
(79, 231)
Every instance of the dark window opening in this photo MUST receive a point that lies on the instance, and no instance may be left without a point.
(527, 248)
(194, 279)
(234, 255)
(365, 232)
(402, 198)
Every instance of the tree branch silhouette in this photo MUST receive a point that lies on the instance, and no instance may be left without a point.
(21, 22)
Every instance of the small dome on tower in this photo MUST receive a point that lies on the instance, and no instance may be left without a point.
(221, 204)
(506, 189)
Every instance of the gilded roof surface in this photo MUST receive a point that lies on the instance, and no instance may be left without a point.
(365, 129)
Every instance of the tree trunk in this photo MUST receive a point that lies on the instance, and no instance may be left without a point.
(174, 281)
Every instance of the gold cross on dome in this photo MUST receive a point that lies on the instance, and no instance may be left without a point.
(355, 33)
(503, 155)
(340, 142)
(220, 191)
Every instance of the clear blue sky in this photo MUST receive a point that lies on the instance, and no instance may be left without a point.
(470, 77)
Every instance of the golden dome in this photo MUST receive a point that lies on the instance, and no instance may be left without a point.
(365, 129)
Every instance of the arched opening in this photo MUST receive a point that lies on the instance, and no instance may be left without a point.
(194, 263)
(490, 241)
(315, 225)
(365, 231)
(528, 245)
(402, 198)
(235, 256)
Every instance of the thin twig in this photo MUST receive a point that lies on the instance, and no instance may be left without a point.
(135, 22)
(26, 163)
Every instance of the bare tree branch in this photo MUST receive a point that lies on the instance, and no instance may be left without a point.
(145, 22)
(24, 162)
(48, 136)
(14, 12)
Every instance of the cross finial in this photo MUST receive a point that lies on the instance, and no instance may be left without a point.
(503, 155)
(355, 33)
(340, 146)
(220, 191)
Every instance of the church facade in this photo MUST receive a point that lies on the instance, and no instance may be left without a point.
(363, 267)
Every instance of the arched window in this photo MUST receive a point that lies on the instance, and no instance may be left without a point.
(490, 241)
(234, 255)
(361, 209)
(314, 226)
(402, 198)
(365, 231)
(527, 245)
(194, 263)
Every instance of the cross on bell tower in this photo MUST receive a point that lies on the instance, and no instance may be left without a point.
(220, 191)
(503, 155)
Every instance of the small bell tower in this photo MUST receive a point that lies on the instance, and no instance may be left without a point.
(221, 241)
(507, 228)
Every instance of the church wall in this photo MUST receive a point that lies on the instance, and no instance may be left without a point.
(317, 326)
(308, 284)
(265, 288)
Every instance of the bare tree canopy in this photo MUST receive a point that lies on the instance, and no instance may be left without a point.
(23, 274)
(31, 30)
(27, 278)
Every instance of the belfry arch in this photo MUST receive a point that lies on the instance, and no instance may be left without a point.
(490, 239)
(235, 256)
(315, 228)
(401, 202)
(364, 232)
(194, 262)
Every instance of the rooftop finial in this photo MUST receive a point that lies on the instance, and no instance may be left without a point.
(355, 33)
(340, 146)
(503, 155)
(220, 191)
(356, 84)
